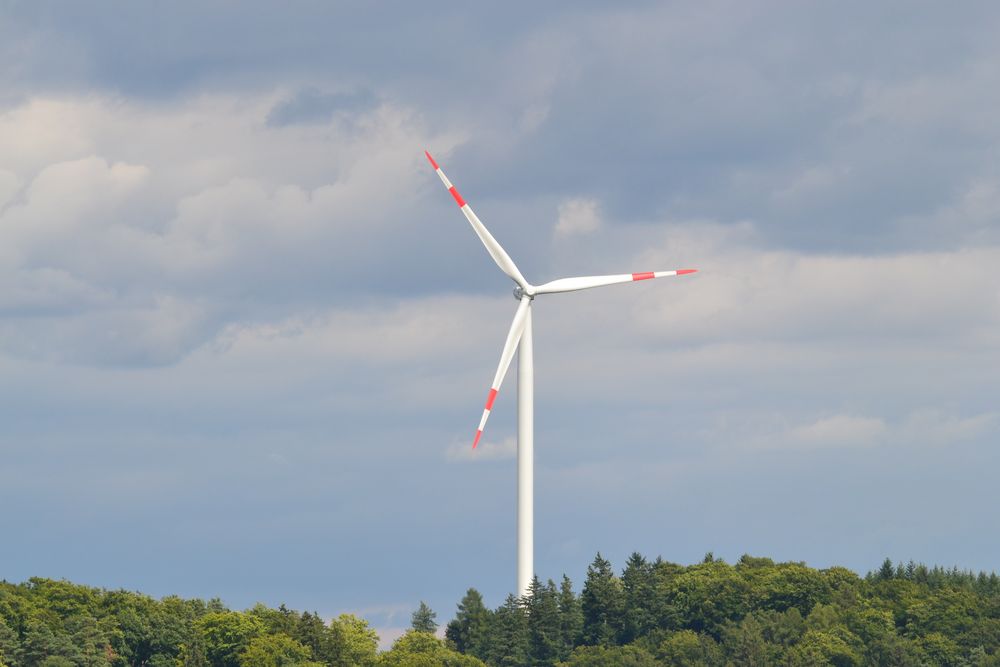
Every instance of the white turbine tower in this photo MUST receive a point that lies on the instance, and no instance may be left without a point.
(519, 337)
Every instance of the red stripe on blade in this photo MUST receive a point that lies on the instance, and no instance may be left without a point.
(489, 399)
(475, 442)
(642, 276)
(681, 272)
(433, 163)
(458, 197)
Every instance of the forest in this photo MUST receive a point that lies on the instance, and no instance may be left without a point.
(753, 612)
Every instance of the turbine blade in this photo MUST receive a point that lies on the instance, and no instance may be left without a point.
(586, 282)
(496, 251)
(513, 338)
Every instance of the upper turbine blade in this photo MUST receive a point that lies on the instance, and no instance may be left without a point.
(586, 282)
(513, 338)
(496, 251)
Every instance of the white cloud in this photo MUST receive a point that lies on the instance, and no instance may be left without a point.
(578, 216)
(838, 431)
(198, 212)
(921, 427)
(486, 450)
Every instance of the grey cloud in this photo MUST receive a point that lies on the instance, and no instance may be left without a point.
(311, 105)
(255, 333)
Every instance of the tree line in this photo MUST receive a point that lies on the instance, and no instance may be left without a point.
(753, 612)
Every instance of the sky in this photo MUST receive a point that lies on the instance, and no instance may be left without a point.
(245, 336)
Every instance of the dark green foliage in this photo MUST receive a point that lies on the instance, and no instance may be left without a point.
(226, 634)
(8, 646)
(46, 623)
(687, 648)
(570, 618)
(706, 596)
(886, 572)
(469, 631)
(544, 625)
(309, 630)
(710, 614)
(603, 604)
(423, 619)
(745, 644)
(610, 656)
(638, 585)
(508, 641)
(756, 612)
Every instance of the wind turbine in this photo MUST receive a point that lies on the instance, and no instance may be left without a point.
(519, 337)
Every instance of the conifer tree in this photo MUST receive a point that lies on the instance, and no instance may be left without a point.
(544, 628)
(603, 603)
(470, 628)
(423, 619)
(509, 636)
(310, 630)
(637, 582)
(570, 618)
(887, 571)
(8, 645)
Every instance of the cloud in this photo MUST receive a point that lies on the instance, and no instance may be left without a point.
(939, 427)
(206, 227)
(220, 241)
(923, 427)
(837, 431)
(487, 450)
(312, 105)
(578, 216)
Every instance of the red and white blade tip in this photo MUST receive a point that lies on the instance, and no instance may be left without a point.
(475, 442)
(433, 163)
(681, 272)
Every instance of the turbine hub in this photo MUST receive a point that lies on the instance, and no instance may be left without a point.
(519, 293)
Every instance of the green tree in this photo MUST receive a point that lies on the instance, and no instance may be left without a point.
(745, 645)
(687, 648)
(276, 650)
(40, 643)
(610, 656)
(820, 647)
(788, 585)
(469, 630)
(570, 618)
(353, 643)
(603, 604)
(226, 634)
(706, 596)
(508, 643)
(637, 583)
(423, 619)
(90, 640)
(665, 611)
(420, 649)
(782, 628)
(544, 627)
(8, 645)
(941, 650)
(277, 620)
(311, 631)
(192, 652)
